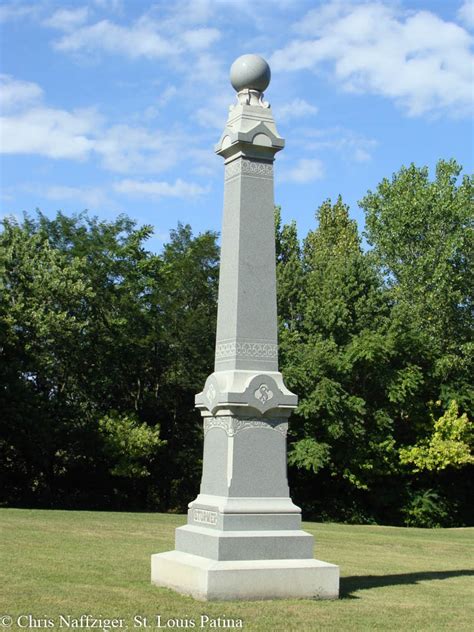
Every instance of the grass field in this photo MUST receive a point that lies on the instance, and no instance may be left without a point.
(77, 563)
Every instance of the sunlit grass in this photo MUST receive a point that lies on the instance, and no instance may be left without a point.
(77, 563)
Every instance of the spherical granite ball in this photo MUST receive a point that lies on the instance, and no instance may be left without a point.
(250, 72)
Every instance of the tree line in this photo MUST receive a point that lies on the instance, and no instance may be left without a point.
(103, 345)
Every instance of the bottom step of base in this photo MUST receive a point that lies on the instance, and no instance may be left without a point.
(210, 580)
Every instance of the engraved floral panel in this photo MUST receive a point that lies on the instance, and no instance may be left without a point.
(233, 168)
(248, 167)
(253, 168)
(233, 426)
(263, 393)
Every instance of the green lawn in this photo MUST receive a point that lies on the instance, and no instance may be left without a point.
(78, 563)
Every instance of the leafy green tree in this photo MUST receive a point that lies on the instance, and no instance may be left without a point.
(103, 345)
(101, 339)
(365, 370)
(421, 233)
(290, 274)
(338, 360)
(129, 444)
(448, 446)
(187, 299)
(43, 315)
(426, 508)
(422, 236)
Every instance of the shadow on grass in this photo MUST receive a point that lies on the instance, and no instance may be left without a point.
(349, 585)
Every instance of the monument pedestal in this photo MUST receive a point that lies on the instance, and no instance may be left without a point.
(208, 580)
(244, 539)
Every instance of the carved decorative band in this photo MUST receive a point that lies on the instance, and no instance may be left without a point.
(234, 349)
(248, 167)
(233, 426)
(257, 168)
(232, 169)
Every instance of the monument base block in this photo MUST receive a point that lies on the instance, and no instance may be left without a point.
(211, 580)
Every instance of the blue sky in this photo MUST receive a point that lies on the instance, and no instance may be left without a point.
(115, 105)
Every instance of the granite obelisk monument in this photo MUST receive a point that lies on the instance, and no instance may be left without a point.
(243, 538)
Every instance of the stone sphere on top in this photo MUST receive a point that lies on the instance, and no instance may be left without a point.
(250, 72)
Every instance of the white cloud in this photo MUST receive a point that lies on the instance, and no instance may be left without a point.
(213, 113)
(152, 111)
(79, 134)
(187, 12)
(361, 155)
(297, 108)
(92, 197)
(156, 189)
(114, 6)
(67, 19)
(137, 41)
(33, 128)
(204, 71)
(124, 149)
(49, 132)
(351, 145)
(304, 171)
(419, 60)
(144, 38)
(315, 20)
(15, 93)
(200, 39)
(167, 95)
(208, 164)
(17, 12)
(466, 13)
(178, 16)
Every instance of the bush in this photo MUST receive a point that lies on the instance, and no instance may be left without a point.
(428, 509)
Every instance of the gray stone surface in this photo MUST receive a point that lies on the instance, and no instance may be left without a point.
(206, 579)
(243, 529)
(250, 71)
(244, 544)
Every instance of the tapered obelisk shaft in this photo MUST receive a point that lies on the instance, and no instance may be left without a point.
(247, 313)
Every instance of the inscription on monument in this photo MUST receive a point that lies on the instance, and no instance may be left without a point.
(205, 516)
